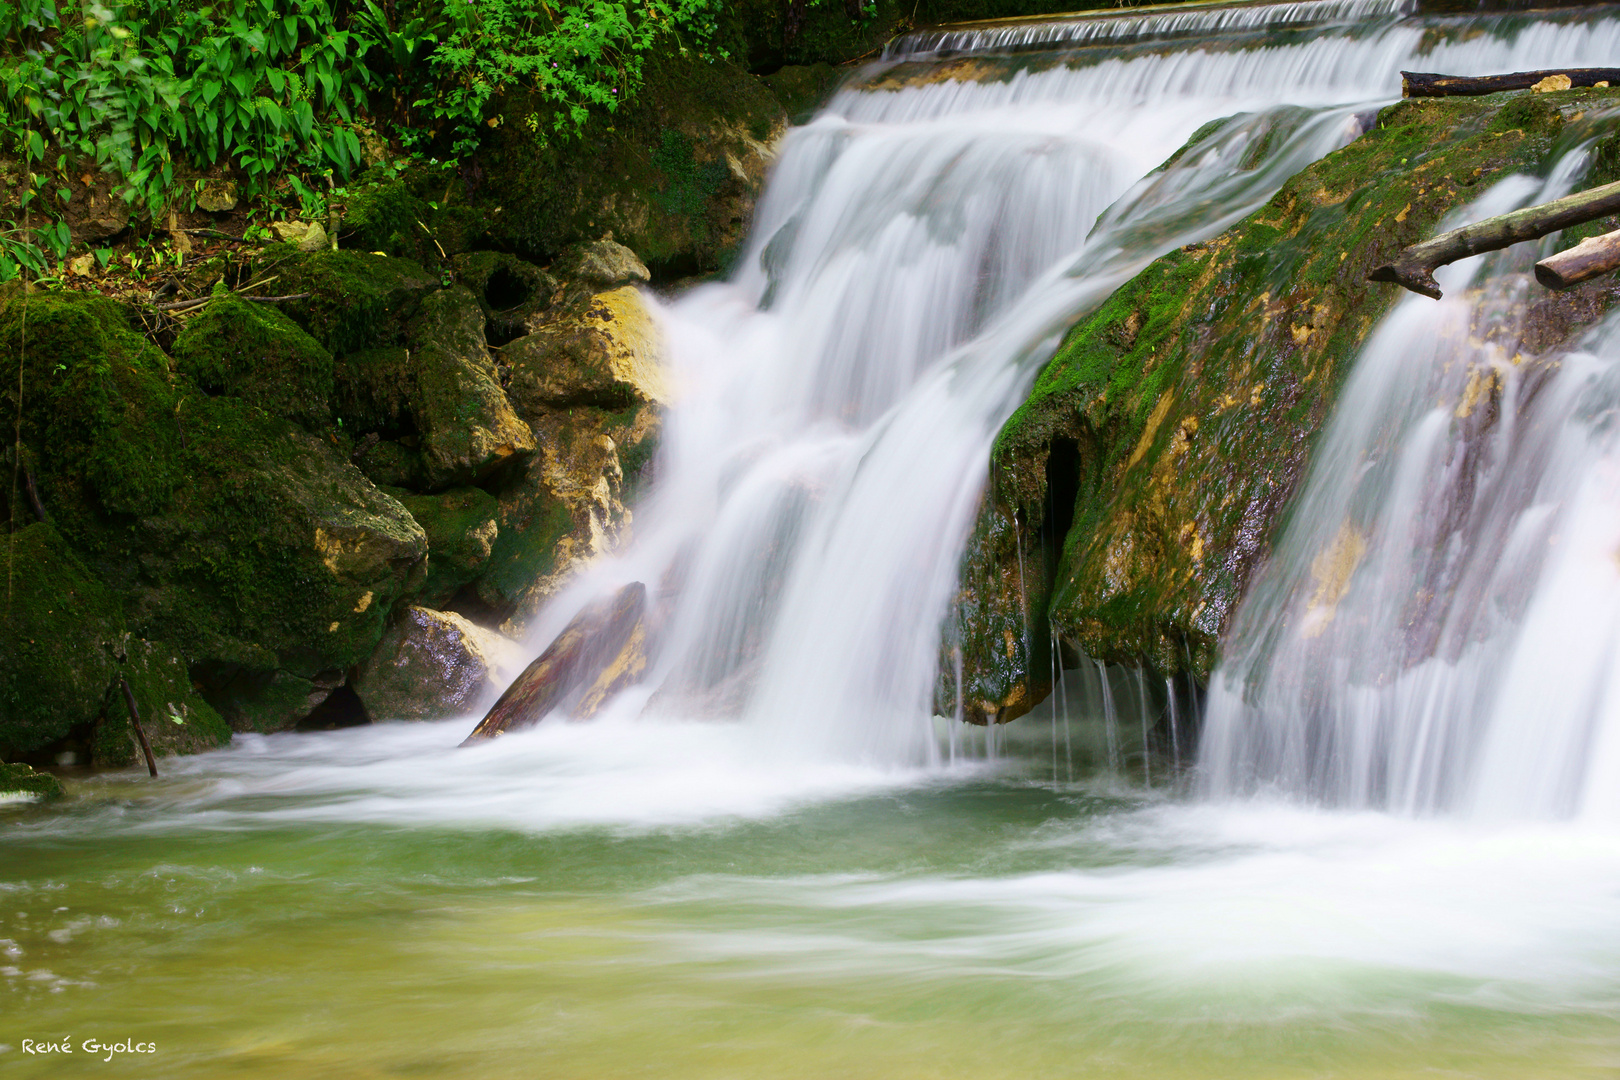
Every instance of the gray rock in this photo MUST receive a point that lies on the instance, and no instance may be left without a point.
(432, 665)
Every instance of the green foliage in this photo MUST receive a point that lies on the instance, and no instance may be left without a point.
(580, 58)
(262, 85)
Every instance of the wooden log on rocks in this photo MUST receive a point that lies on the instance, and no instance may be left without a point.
(1423, 84)
(592, 645)
(1592, 257)
(1414, 268)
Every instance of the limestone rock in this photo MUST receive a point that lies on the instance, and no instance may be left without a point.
(603, 353)
(217, 196)
(304, 235)
(432, 665)
(601, 264)
(356, 300)
(569, 505)
(468, 428)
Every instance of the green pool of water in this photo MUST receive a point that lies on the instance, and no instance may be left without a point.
(325, 906)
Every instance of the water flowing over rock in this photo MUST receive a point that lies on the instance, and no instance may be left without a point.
(431, 665)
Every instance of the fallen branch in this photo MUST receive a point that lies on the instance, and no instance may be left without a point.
(1414, 268)
(186, 305)
(34, 501)
(588, 650)
(140, 732)
(1422, 84)
(215, 234)
(1592, 257)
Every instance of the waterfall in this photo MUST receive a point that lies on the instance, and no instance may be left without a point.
(1438, 627)
(921, 247)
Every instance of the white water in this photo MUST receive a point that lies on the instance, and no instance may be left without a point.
(916, 257)
(1467, 664)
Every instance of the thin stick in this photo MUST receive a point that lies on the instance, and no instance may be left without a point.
(33, 493)
(186, 305)
(140, 732)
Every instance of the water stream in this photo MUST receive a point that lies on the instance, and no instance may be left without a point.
(771, 859)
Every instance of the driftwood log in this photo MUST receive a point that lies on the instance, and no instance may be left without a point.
(590, 653)
(1592, 257)
(1415, 266)
(1422, 84)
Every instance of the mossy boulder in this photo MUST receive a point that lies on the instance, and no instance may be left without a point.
(1141, 482)
(356, 300)
(256, 353)
(59, 629)
(18, 781)
(461, 533)
(674, 177)
(174, 715)
(604, 352)
(245, 542)
(468, 429)
(804, 88)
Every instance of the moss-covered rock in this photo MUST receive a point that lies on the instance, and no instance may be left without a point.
(174, 715)
(804, 88)
(356, 300)
(59, 628)
(603, 352)
(19, 781)
(256, 353)
(246, 543)
(1142, 480)
(674, 178)
(461, 533)
(468, 429)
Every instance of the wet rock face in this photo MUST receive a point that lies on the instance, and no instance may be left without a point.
(432, 665)
(1136, 489)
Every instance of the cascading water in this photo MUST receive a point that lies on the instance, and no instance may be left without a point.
(781, 895)
(918, 252)
(1436, 630)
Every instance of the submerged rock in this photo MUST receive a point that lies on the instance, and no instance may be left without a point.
(18, 781)
(432, 665)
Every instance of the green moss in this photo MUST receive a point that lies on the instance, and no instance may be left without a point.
(256, 353)
(385, 217)
(18, 779)
(357, 300)
(461, 529)
(59, 626)
(176, 717)
(372, 391)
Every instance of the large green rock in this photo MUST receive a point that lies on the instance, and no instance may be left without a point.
(174, 715)
(461, 533)
(256, 353)
(59, 630)
(1141, 482)
(357, 300)
(246, 543)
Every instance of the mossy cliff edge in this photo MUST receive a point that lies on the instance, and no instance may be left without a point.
(1135, 491)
